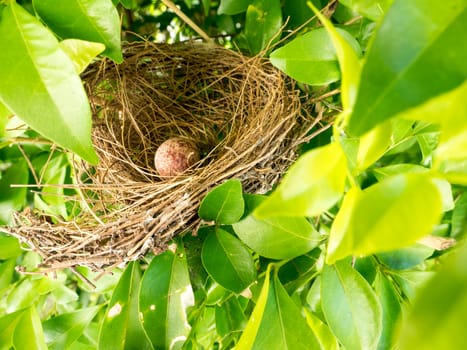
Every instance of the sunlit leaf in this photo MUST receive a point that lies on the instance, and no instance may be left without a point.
(313, 184)
(311, 58)
(96, 21)
(27, 291)
(81, 52)
(39, 83)
(372, 9)
(121, 327)
(262, 24)
(7, 327)
(436, 320)
(63, 330)
(324, 336)
(165, 295)
(348, 61)
(7, 269)
(228, 261)
(373, 145)
(276, 237)
(275, 313)
(414, 56)
(459, 217)
(405, 258)
(224, 204)
(28, 333)
(351, 307)
(388, 215)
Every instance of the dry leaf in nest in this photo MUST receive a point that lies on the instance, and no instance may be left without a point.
(240, 113)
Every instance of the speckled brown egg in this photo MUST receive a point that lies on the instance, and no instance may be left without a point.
(174, 156)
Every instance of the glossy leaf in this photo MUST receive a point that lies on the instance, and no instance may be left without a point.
(276, 237)
(224, 204)
(4, 117)
(436, 320)
(49, 88)
(350, 306)
(165, 295)
(391, 309)
(96, 21)
(313, 184)
(405, 258)
(263, 23)
(63, 330)
(10, 247)
(13, 199)
(311, 58)
(28, 333)
(228, 261)
(232, 7)
(372, 9)
(414, 56)
(326, 339)
(121, 328)
(81, 52)
(388, 215)
(348, 61)
(410, 281)
(275, 313)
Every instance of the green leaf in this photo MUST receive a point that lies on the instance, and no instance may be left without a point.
(52, 171)
(276, 314)
(121, 328)
(39, 83)
(81, 52)
(311, 58)
(391, 309)
(459, 217)
(63, 330)
(263, 23)
(7, 269)
(410, 281)
(28, 333)
(326, 339)
(232, 7)
(372, 9)
(230, 317)
(228, 261)
(10, 247)
(405, 258)
(95, 21)
(4, 117)
(313, 184)
(436, 320)
(224, 204)
(414, 56)
(165, 295)
(7, 327)
(350, 306)
(27, 291)
(373, 145)
(13, 199)
(348, 61)
(276, 237)
(388, 215)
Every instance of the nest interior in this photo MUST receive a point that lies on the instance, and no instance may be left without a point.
(241, 112)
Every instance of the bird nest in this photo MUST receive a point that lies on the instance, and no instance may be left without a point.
(244, 116)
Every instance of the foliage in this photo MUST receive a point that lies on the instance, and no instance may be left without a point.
(329, 259)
